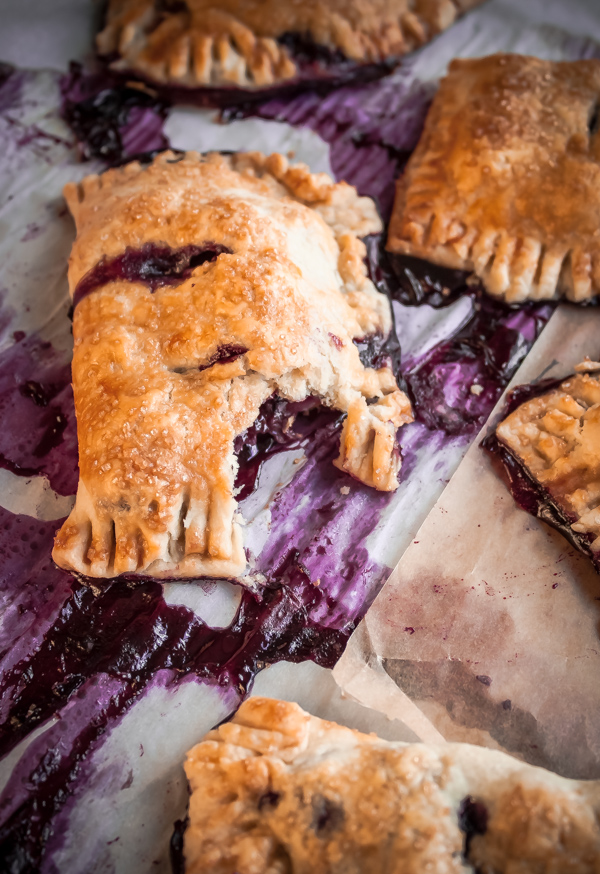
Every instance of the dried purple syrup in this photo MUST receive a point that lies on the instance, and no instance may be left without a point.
(455, 386)
(36, 404)
(112, 121)
(371, 128)
(126, 631)
(413, 281)
(154, 265)
(176, 847)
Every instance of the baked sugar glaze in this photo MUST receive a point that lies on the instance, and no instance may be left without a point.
(85, 652)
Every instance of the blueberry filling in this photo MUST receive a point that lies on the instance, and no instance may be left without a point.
(176, 846)
(112, 121)
(224, 355)
(280, 425)
(126, 631)
(413, 281)
(311, 56)
(455, 386)
(327, 815)
(377, 351)
(472, 820)
(154, 265)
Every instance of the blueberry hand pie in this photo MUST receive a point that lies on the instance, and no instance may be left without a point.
(505, 181)
(202, 287)
(258, 44)
(550, 446)
(277, 791)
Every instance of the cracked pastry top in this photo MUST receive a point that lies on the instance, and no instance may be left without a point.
(505, 181)
(203, 286)
(256, 44)
(277, 791)
(556, 436)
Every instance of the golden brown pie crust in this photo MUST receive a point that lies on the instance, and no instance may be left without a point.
(156, 420)
(234, 42)
(277, 791)
(557, 437)
(505, 181)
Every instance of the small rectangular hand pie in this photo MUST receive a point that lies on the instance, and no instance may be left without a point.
(505, 181)
(202, 287)
(258, 45)
(550, 446)
(277, 791)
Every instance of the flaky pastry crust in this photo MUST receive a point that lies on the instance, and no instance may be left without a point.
(277, 791)
(556, 436)
(157, 408)
(505, 181)
(236, 42)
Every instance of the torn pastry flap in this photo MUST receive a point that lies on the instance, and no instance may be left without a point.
(204, 286)
(278, 790)
(554, 436)
(505, 180)
(203, 44)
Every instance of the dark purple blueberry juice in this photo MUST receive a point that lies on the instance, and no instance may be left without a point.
(154, 265)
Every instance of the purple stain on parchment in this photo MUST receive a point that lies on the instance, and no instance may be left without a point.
(122, 633)
(32, 231)
(455, 385)
(39, 785)
(327, 534)
(38, 436)
(32, 589)
(111, 121)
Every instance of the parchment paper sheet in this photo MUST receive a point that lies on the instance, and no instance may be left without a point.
(490, 620)
(122, 824)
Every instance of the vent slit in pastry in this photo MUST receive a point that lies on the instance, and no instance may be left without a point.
(153, 264)
(182, 341)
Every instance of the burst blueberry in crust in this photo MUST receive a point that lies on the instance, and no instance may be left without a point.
(277, 791)
(233, 44)
(550, 447)
(505, 181)
(203, 286)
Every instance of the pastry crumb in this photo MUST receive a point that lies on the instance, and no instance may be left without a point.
(345, 490)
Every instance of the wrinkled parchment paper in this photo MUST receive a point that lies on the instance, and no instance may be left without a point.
(124, 825)
(489, 622)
